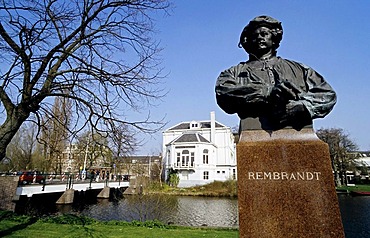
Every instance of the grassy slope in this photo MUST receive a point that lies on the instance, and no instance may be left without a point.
(16, 226)
(41, 230)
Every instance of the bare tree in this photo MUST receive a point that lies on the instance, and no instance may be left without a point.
(150, 207)
(126, 166)
(157, 169)
(122, 141)
(54, 132)
(340, 146)
(99, 53)
(93, 148)
(22, 147)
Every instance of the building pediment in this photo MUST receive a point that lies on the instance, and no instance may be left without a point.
(191, 125)
(190, 138)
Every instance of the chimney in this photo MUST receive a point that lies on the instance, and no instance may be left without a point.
(213, 127)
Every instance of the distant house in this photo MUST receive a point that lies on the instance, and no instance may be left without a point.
(364, 158)
(73, 159)
(147, 166)
(200, 151)
(362, 169)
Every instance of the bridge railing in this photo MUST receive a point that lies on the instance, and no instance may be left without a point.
(65, 178)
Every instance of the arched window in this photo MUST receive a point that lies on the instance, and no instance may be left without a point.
(205, 156)
(185, 158)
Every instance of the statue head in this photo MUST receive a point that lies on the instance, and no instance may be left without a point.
(272, 24)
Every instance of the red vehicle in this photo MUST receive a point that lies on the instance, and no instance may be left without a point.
(29, 176)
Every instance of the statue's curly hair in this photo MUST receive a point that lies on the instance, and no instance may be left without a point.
(269, 22)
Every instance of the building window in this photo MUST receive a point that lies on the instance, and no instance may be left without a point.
(205, 175)
(194, 124)
(178, 159)
(234, 174)
(185, 158)
(205, 156)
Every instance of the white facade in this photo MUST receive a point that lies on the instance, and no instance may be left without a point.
(200, 151)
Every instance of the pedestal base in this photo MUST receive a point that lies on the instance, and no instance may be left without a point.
(286, 186)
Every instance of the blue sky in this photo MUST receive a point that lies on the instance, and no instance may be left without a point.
(200, 39)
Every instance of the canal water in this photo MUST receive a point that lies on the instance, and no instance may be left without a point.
(188, 210)
(355, 211)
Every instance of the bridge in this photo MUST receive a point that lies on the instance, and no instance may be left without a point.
(32, 189)
(12, 188)
(68, 184)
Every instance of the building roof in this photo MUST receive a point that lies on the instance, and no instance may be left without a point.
(363, 153)
(363, 156)
(141, 159)
(186, 125)
(190, 137)
(366, 161)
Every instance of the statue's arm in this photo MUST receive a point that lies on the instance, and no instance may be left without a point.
(235, 94)
(320, 97)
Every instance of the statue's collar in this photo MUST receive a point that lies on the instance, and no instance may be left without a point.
(259, 63)
(265, 59)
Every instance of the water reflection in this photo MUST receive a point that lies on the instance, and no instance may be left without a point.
(133, 207)
(195, 211)
(180, 210)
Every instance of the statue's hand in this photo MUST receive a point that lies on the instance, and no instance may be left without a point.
(283, 92)
(293, 111)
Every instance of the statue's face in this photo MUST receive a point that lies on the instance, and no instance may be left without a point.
(261, 40)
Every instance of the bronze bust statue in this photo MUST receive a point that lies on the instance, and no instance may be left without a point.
(278, 92)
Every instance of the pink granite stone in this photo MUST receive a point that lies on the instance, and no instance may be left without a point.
(286, 186)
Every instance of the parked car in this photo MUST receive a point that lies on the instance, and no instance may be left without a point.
(28, 177)
(125, 177)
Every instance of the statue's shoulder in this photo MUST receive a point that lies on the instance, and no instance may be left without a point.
(242, 66)
(295, 64)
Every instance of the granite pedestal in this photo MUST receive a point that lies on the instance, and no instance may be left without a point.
(286, 186)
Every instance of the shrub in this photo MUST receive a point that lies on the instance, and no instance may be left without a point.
(11, 216)
(70, 219)
(174, 180)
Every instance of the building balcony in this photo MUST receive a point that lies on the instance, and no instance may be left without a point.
(184, 166)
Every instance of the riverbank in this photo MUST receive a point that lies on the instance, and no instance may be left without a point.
(215, 189)
(353, 188)
(12, 225)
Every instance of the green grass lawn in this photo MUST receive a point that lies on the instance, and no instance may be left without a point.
(39, 228)
(357, 188)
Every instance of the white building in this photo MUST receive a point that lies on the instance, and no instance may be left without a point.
(362, 171)
(200, 151)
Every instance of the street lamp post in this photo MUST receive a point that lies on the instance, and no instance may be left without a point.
(85, 161)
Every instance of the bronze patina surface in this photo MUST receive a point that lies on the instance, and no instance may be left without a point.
(279, 92)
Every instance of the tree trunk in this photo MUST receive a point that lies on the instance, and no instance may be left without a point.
(9, 128)
(336, 175)
(337, 178)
